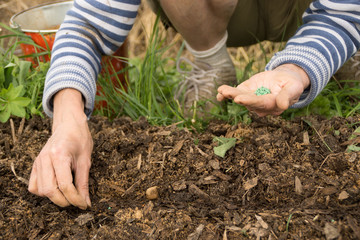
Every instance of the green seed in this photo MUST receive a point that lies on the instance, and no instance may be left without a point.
(262, 91)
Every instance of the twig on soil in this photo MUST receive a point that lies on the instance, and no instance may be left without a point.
(139, 162)
(327, 157)
(201, 152)
(13, 131)
(320, 136)
(21, 179)
(132, 187)
(193, 189)
(47, 235)
(21, 127)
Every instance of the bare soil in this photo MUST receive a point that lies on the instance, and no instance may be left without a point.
(282, 180)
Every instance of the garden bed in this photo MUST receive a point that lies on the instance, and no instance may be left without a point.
(282, 180)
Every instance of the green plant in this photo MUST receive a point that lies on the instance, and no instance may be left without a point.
(224, 144)
(21, 83)
(288, 222)
(354, 146)
(150, 87)
(12, 102)
(337, 99)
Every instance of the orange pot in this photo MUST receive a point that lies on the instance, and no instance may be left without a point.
(42, 22)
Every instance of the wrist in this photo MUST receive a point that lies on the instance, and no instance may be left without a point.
(303, 76)
(68, 105)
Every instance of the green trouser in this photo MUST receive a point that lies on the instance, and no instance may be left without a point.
(257, 20)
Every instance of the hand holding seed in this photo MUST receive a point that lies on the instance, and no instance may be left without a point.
(269, 92)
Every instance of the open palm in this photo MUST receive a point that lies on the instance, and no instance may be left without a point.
(286, 84)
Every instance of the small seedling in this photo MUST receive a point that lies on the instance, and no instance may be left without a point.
(262, 91)
(224, 145)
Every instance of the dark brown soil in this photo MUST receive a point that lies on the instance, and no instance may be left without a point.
(276, 183)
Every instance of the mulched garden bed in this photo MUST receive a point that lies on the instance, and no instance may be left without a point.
(282, 180)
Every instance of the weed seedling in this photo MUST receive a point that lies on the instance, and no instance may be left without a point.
(262, 91)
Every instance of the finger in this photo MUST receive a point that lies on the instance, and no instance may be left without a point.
(65, 181)
(82, 178)
(257, 103)
(220, 97)
(230, 92)
(288, 95)
(47, 185)
(33, 188)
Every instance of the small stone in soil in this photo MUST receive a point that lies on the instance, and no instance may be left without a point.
(152, 193)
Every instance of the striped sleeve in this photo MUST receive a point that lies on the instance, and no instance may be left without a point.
(91, 28)
(329, 36)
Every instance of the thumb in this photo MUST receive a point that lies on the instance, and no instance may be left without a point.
(82, 178)
(288, 95)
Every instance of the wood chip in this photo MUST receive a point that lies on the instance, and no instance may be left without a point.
(179, 185)
(21, 127)
(163, 133)
(195, 235)
(234, 228)
(306, 138)
(225, 235)
(208, 180)
(343, 195)
(221, 175)
(139, 162)
(298, 186)
(329, 190)
(261, 222)
(251, 183)
(193, 189)
(84, 218)
(177, 147)
(214, 164)
(330, 231)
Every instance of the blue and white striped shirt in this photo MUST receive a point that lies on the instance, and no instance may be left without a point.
(329, 36)
(92, 28)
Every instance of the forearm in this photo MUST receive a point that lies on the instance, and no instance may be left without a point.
(68, 106)
(321, 46)
(90, 29)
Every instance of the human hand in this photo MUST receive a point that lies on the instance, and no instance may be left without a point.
(67, 151)
(286, 83)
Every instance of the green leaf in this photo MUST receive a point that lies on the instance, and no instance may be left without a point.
(2, 76)
(224, 145)
(353, 148)
(3, 105)
(10, 64)
(21, 101)
(355, 133)
(5, 115)
(24, 71)
(13, 92)
(16, 110)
